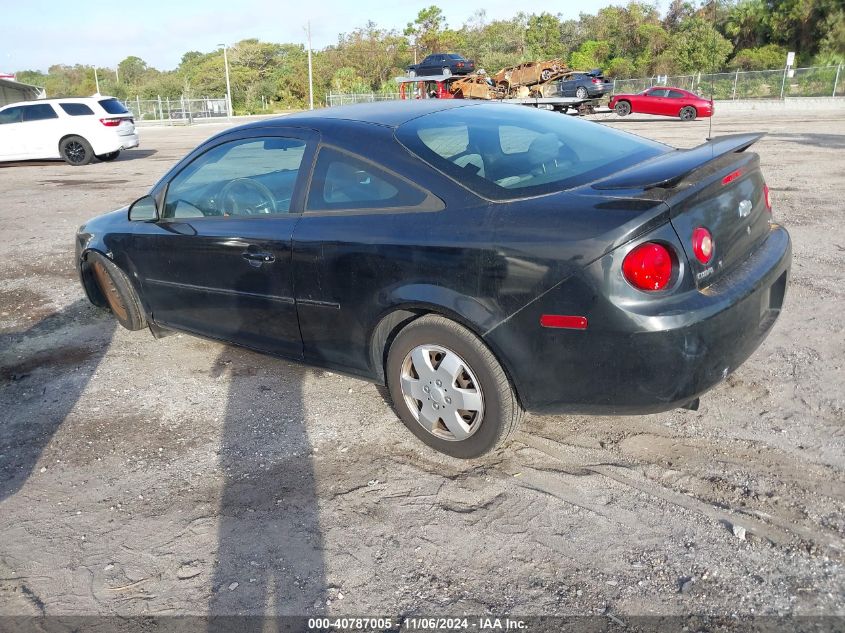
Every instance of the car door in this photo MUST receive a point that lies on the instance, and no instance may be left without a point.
(42, 130)
(653, 102)
(675, 100)
(352, 237)
(217, 262)
(12, 141)
(569, 85)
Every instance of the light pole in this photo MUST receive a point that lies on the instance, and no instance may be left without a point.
(310, 72)
(228, 85)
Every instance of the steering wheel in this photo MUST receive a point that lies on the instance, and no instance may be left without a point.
(235, 198)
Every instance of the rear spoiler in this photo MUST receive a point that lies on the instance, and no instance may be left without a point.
(668, 169)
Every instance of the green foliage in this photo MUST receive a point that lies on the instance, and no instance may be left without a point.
(761, 58)
(627, 41)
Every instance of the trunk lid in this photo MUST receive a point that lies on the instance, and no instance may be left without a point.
(715, 186)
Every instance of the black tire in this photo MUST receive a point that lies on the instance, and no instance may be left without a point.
(108, 157)
(581, 92)
(76, 151)
(502, 412)
(688, 113)
(622, 108)
(118, 292)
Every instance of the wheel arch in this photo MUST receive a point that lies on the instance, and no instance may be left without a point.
(398, 317)
(86, 276)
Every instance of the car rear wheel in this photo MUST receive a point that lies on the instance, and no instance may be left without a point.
(108, 157)
(412, 73)
(546, 74)
(76, 151)
(688, 113)
(447, 72)
(449, 389)
(118, 292)
(622, 108)
(581, 93)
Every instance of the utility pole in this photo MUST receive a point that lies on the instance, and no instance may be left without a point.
(310, 72)
(96, 80)
(228, 85)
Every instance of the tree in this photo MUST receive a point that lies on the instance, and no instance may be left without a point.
(427, 29)
(131, 69)
(542, 37)
(697, 47)
(760, 58)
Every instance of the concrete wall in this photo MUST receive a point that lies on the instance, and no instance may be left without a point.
(790, 104)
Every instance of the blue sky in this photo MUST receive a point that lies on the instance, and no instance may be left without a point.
(38, 33)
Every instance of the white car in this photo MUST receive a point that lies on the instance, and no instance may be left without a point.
(76, 130)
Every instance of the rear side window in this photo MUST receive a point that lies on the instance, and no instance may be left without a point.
(39, 112)
(76, 109)
(343, 181)
(674, 94)
(658, 92)
(12, 115)
(113, 106)
(504, 152)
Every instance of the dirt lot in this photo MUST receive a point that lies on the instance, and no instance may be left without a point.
(180, 476)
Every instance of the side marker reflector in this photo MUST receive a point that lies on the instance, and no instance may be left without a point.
(564, 321)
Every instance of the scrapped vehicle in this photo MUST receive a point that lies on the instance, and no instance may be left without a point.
(529, 73)
(479, 259)
(74, 129)
(584, 85)
(663, 100)
(474, 86)
(442, 64)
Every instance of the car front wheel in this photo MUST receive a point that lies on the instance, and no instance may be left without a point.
(622, 108)
(118, 292)
(449, 389)
(76, 151)
(688, 113)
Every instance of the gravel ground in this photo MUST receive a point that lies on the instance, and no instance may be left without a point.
(181, 476)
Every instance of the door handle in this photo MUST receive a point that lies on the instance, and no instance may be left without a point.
(259, 258)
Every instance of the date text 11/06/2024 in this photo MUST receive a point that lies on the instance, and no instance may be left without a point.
(480, 624)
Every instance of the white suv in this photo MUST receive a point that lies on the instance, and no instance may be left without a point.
(76, 130)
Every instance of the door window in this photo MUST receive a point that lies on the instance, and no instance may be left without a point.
(674, 94)
(39, 112)
(248, 177)
(657, 92)
(76, 109)
(345, 182)
(12, 115)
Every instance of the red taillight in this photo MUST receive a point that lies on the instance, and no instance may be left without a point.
(111, 122)
(702, 244)
(648, 267)
(732, 176)
(767, 197)
(596, 81)
(460, 64)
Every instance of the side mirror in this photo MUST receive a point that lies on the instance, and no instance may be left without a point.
(143, 210)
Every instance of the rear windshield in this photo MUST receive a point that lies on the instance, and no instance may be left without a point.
(503, 152)
(113, 106)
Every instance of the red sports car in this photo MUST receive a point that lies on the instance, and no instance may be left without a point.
(663, 100)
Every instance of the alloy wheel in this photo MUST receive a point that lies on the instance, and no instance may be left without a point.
(75, 152)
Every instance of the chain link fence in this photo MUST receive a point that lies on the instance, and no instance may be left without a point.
(178, 111)
(363, 97)
(818, 81)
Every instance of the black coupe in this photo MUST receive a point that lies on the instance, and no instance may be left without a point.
(480, 260)
(442, 64)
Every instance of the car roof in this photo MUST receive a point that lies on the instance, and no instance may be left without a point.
(387, 113)
(57, 99)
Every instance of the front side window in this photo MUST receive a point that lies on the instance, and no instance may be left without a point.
(504, 152)
(343, 181)
(39, 112)
(76, 109)
(11, 115)
(248, 177)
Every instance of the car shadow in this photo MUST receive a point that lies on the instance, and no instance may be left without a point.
(827, 141)
(270, 547)
(44, 370)
(125, 155)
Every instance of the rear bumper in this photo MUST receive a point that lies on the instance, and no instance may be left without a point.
(627, 362)
(130, 141)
